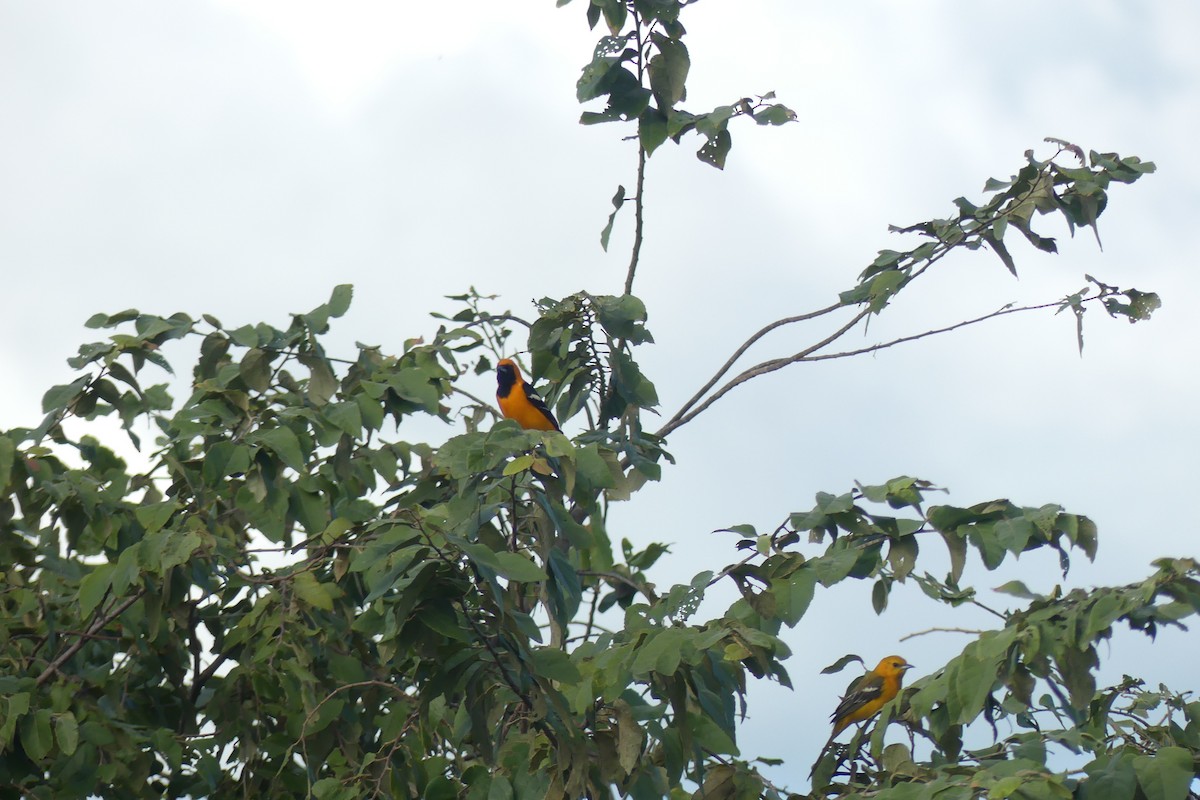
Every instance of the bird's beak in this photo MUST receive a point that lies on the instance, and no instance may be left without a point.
(908, 666)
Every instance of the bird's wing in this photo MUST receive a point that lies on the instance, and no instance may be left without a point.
(537, 402)
(867, 688)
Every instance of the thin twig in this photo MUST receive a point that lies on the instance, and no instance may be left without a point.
(779, 323)
(990, 610)
(591, 620)
(93, 629)
(905, 339)
(807, 354)
(478, 401)
(641, 588)
(762, 369)
(639, 192)
(638, 207)
(941, 630)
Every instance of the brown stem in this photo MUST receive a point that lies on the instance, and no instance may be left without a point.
(638, 207)
(92, 630)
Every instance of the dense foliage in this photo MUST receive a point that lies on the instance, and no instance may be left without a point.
(289, 593)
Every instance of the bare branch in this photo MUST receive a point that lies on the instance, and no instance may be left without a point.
(808, 353)
(762, 369)
(903, 339)
(942, 630)
(638, 207)
(779, 323)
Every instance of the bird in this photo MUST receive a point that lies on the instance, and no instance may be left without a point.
(870, 693)
(518, 400)
(865, 697)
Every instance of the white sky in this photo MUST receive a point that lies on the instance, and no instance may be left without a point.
(241, 158)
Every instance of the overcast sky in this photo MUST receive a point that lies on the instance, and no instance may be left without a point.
(241, 158)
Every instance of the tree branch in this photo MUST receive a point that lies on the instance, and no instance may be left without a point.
(807, 354)
(638, 207)
(92, 630)
(941, 630)
(779, 323)
(762, 369)
(905, 339)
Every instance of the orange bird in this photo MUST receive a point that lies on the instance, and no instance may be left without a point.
(519, 401)
(865, 697)
(870, 693)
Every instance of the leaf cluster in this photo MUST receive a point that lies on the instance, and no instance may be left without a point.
(640, 70)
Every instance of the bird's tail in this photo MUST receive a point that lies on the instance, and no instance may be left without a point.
(824, 752)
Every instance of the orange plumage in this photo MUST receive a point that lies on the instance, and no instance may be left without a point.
(518, 400)
(870, 693)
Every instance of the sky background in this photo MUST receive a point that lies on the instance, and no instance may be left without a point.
(242, 158)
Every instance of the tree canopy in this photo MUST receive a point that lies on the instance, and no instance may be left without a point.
(288, 593)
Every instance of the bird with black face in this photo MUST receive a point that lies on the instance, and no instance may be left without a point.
(518, 400)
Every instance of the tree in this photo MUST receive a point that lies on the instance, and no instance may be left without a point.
(293, 597)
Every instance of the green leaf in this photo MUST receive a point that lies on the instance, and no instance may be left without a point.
(519, 464)
(590, 83)
(902, 556)
(155, 515)
(255, 369)
(312, 591)
(879, 595)
(518, 567)
(500, 788)
(414, 385)
(93, 588)
(285, 444)
(177, 549)
(346, 417)
(12, 709)
(1110, 779)
(1166, 775)
(59, 397)
(593, 468)
(793, 595)
(552, 663)
(972, 675)
(1016, 589)
(37, 737)
(339, 301)
(66, 732)
(841, 663)
(630, 383)
(714, 151)
(1004, 787)
(836, 563)
(775, 114)
(513, 566)
(617, 201)
(957, 547)
(668, 71)
(630, 738)
(224, 458)
(652, 129)
(8, 452)
(129, 567)
(622, 317)
(322, 382)
(615, 15)
(992, 237)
